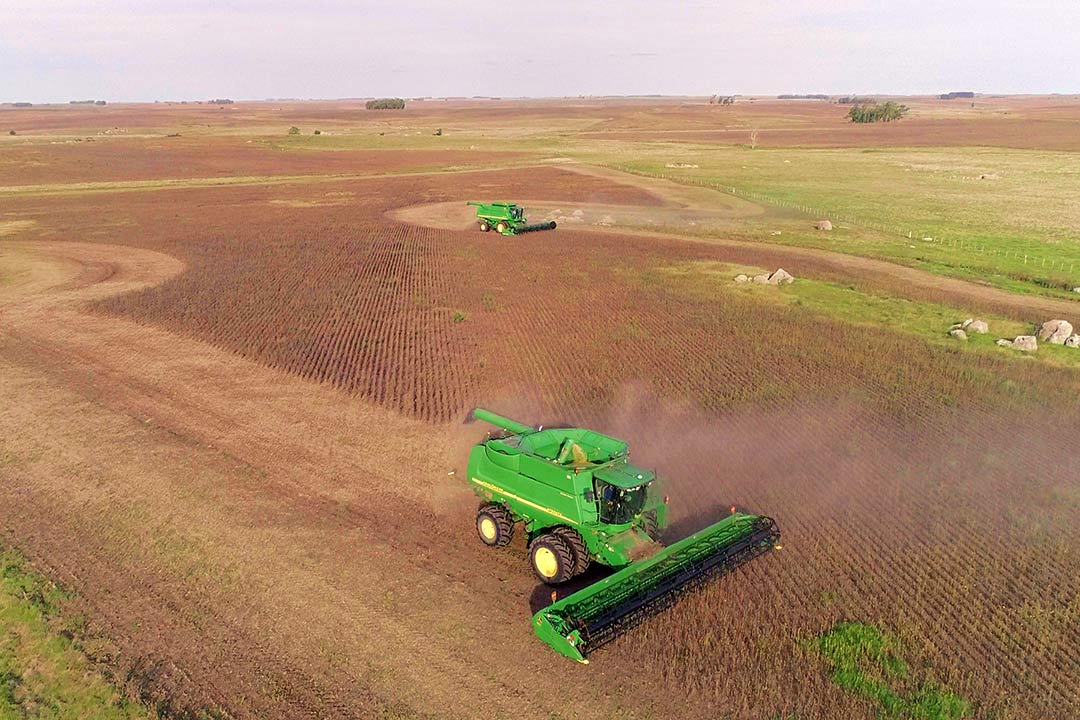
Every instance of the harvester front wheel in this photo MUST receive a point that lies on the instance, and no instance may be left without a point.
(578, 550)
(494, 525)
(501, 227)
(551, 559)
(651, 526)
(484, 227)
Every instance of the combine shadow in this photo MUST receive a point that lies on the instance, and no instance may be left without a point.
(541, 594)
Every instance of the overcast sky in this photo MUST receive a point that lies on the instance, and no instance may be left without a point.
(58, 50)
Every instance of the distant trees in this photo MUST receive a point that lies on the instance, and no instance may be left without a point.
(386, 104)
(815, 96)
(880, 112)
(956, 94)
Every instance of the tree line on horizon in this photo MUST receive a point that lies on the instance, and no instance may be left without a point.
(878, 112)
(385, 104)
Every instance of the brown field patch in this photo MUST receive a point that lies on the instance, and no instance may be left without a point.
(933, 519)
(232, 413)
(112, 159)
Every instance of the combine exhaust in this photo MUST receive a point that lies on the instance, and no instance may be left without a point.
(584, 621)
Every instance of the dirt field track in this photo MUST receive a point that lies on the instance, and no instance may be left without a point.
(232, 415)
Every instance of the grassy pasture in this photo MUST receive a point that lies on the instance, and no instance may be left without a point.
(1006, 217)
(43, 674)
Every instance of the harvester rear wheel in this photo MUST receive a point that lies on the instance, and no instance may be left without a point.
(494, 525)
(484, 227)
(501, 227)
(552, 561)
(578, 550)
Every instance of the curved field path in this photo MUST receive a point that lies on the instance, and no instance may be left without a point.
(213, 513)
(251, 538)
(245, 539)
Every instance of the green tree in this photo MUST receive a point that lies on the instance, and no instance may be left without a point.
(386, 104)
(880, 112)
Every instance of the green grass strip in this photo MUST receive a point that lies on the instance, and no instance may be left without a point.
(867, 662)
(42, 673)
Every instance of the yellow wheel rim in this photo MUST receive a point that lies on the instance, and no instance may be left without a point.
(546, 562)
(488, 529)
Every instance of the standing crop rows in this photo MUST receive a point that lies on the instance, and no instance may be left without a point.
(336, 294)
(360, 309)
(918, 489)
(911, 484)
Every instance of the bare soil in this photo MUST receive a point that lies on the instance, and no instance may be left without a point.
(212, 513)
(202, 507)
(232, 416)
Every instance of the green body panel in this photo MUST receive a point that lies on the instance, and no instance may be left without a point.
(496, 212)
(553, 477)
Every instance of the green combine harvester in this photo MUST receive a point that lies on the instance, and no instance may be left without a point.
(506, 218)
(582, 501)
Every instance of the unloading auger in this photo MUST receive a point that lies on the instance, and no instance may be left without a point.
(580, 500)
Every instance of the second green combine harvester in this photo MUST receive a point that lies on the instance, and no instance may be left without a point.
(581, 501)
(506, 218)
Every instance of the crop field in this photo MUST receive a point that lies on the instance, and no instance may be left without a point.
(238, 361)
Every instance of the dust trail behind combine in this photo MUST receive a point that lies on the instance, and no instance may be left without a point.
(938, 527)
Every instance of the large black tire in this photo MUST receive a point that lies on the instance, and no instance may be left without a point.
(484, 227)
(551, 560)
(652, 528)
(501, 227)
(494, 525)
(578, 550)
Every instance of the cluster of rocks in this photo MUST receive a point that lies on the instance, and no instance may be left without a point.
(1023, 343)
(780, 277)
(1055, 332)
(971, 325)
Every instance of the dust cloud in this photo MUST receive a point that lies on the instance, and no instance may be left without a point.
(815, 462)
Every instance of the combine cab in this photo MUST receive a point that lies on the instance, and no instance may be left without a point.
(581, 501)
(506, 218)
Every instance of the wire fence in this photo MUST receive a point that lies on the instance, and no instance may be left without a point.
(1042, 262)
